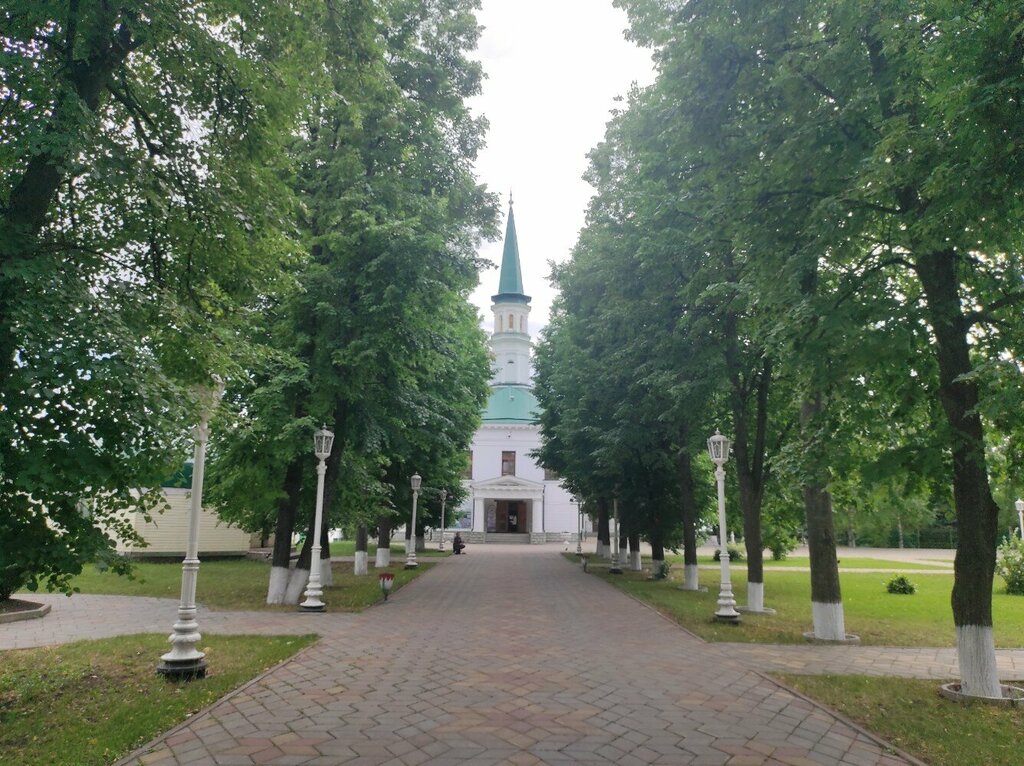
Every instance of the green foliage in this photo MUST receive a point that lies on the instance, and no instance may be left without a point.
(661, 572)
(735, 553)
(1010, 565)
(142, 209)
(379, 342)
(901, 585)
(780, 539)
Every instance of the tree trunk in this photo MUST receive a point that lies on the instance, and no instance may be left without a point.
(689, 512)
(384, 525)
(826, 597)
(976, 512)
(280, 565)
(300, 575)
(361, 566)
(604, 539)
(326, 573)
(657, 545)
(635, 559)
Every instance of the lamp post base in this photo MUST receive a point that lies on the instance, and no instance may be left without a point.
(312, 607)
(182, 670)
(733, 619)
(410, 565)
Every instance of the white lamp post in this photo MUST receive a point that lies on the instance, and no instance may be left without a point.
(444, 498)
(410, 544)
(718, 448)
(184, 661)
(322, 442)
(1019, 505)
(579, 527)
(615, 568)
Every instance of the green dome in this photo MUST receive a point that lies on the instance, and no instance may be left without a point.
(511, 404)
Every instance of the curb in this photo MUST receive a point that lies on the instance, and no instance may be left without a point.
(36, 612)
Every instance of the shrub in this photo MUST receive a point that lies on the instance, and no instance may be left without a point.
(900, 584)
(779, 541)
(1010, 565)
(735, 553)
(661, 571)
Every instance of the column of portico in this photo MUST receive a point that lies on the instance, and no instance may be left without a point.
(478, 513)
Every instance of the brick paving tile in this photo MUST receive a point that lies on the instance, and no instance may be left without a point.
(511, 655)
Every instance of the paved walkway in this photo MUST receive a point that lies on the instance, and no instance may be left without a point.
(507, 655)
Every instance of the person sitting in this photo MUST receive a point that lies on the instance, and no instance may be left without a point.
(457, 544)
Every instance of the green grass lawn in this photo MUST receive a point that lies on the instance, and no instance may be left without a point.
(851, 563)
(92, 702)
(240, 584)
(911, 715)
(878, 617)
(348, 548)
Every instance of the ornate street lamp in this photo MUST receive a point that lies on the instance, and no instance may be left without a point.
(1019, 505)
(444, 498)
(615, 568)
(718, 449)
(410, 544)
(322, 442)
(184, 661)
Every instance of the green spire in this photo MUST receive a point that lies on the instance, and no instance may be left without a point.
(510, 285)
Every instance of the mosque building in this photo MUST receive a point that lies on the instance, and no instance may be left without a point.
(510, 498)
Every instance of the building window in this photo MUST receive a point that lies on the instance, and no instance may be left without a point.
(511, 323)
(508, 463)
(468, 473)
(550, 475)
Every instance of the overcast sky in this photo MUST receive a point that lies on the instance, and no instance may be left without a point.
(554, 69)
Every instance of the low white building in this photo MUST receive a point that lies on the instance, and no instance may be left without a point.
(510, 497)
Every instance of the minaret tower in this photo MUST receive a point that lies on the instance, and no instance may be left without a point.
(510, 342)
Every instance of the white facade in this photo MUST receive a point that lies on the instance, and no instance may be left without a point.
(535, 505)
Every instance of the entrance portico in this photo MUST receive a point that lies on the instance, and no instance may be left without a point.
(508, 505)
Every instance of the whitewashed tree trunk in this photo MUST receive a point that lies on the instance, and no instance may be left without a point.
(383, 558)
(603, 551)
(360, 567)
(326, 573)
(829, 623)
(976, 653)
(635, 561)
(691, 578)
(296, 586)
(755, 596)
(278, 585)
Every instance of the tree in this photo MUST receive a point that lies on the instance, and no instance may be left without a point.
(140, 208)
(392, 359)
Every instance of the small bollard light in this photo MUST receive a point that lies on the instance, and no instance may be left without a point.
(386, 581)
